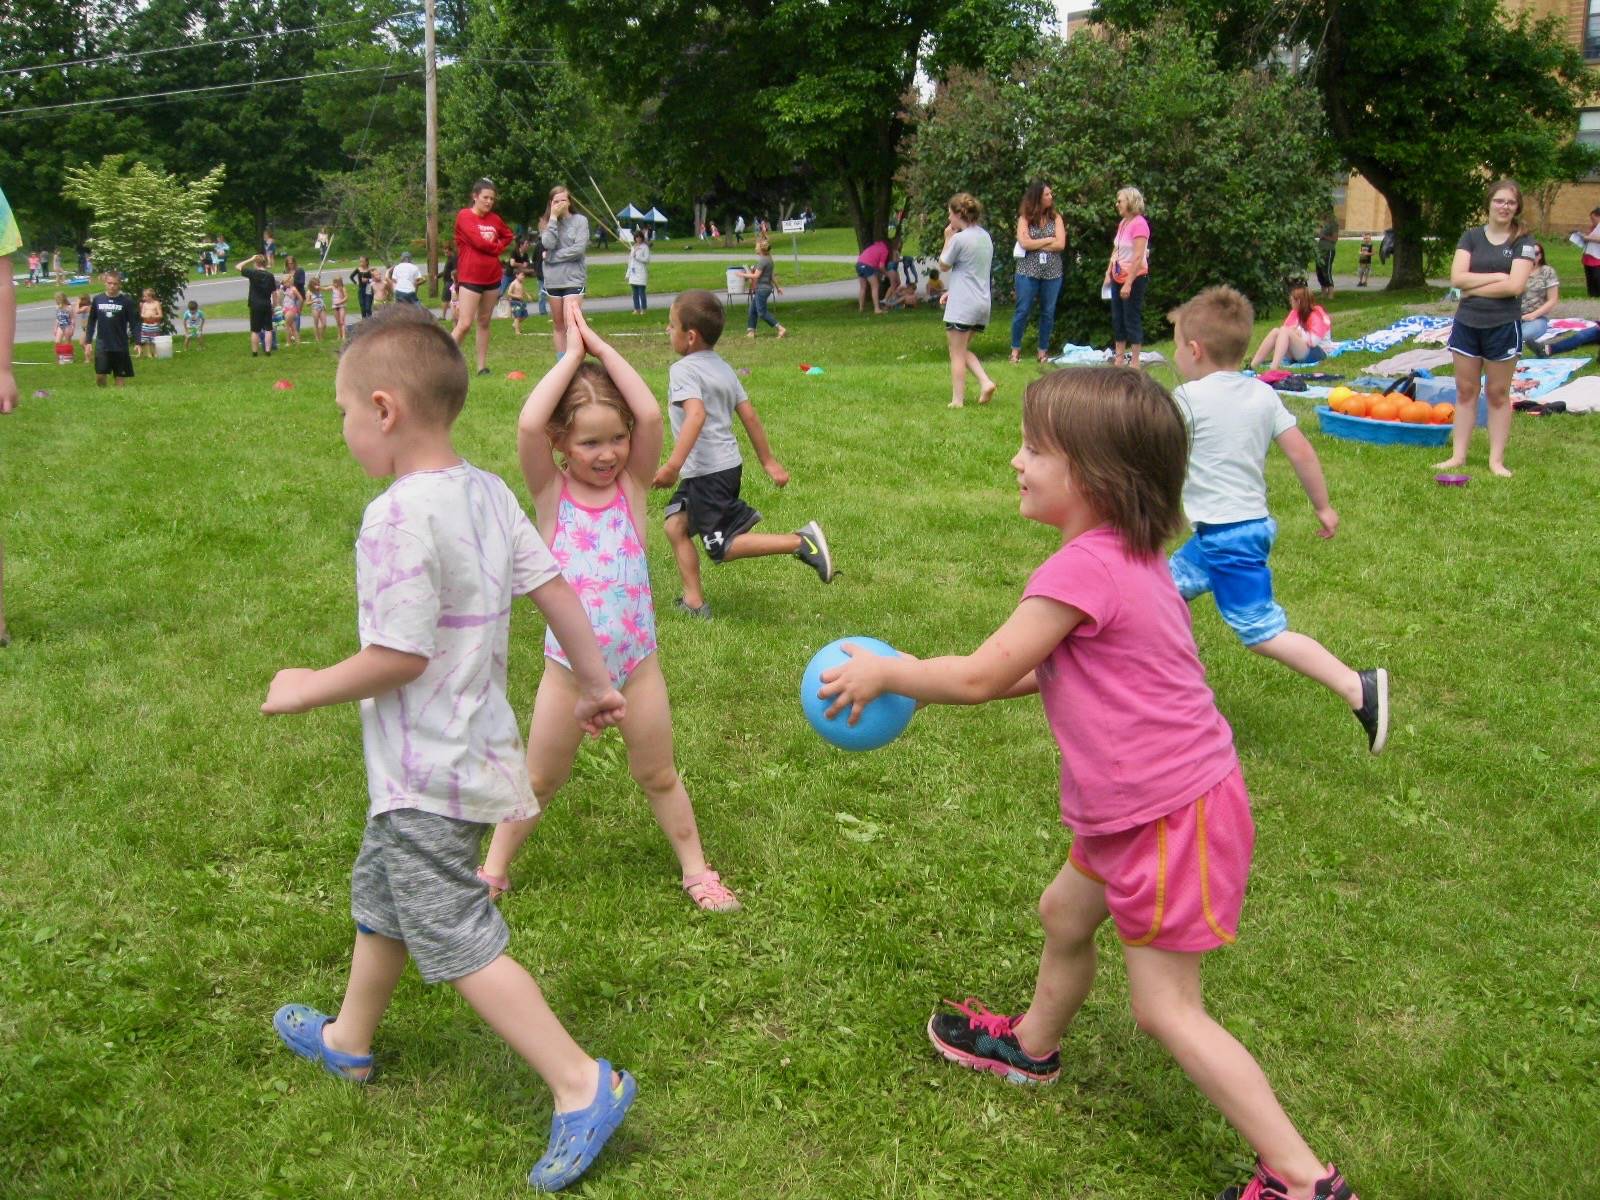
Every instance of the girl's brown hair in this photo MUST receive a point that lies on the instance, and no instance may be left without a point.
(1125, 443)
(1300, 300)
(591, 385)
(965, 205)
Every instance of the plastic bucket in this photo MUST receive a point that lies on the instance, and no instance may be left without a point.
(163, 345)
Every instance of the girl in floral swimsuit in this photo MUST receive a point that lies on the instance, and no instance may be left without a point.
(605, 423)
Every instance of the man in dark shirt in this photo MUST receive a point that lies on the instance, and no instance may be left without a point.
(112, 319)
(262, 285)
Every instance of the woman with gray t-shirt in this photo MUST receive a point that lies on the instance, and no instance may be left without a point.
(1491, 267)
(564, 235)
(967, 257)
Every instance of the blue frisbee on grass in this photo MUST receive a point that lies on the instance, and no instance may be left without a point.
(881, 721)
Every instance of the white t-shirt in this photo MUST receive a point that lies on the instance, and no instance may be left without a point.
(1233, 420)
(969, 260)
(405, 276)
(438, 560)
(707, 376)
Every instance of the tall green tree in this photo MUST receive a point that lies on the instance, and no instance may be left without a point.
(147, 224)
(1233, 165)
(740, 90)
(1428, 99)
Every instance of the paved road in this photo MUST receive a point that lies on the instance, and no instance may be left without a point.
(36, 322)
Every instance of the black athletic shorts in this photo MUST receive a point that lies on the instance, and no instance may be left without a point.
(480, 288)
(113, 362)
(714, 509)
(261, 318)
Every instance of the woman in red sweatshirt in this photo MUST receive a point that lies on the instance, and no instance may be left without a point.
(481, 237)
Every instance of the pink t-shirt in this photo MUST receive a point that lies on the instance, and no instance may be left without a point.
(875, 256)
(1319, 326)
(1130, 229)
(1124, 692)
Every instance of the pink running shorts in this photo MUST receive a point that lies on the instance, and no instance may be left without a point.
(1177, 883)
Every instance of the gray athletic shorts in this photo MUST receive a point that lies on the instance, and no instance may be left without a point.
(416, 881)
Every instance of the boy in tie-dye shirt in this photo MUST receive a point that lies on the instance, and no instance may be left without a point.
(440, 556)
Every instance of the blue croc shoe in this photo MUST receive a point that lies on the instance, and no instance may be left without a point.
(300, 1027)
(576, 1138)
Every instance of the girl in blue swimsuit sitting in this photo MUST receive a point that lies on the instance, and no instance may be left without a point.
(604, 423)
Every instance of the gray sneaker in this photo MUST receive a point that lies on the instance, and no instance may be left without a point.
(703, 613)
(814, 552)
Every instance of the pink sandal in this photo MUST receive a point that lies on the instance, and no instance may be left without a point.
(709, 892)
(498, 885)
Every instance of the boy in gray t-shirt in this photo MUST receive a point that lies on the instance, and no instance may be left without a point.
(1233, 421)
(703, 397)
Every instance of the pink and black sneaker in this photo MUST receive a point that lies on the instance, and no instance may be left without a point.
(977, 1038)
(1264, 1185)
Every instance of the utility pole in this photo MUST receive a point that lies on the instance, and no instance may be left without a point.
(430, 77)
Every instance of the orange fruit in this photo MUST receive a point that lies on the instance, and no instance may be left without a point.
(1356, 405)
(1415, 412)
(1443, 413)
(1336, 403)
(1384, 409)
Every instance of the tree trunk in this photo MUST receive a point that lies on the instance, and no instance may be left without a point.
(1408, 257)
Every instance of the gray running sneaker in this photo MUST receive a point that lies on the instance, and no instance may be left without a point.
(814, 552)
(1374, 711)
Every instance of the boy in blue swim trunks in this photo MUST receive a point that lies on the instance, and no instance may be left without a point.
(1233, 420)
(440, 557)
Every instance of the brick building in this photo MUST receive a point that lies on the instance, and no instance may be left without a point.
(1362, 209)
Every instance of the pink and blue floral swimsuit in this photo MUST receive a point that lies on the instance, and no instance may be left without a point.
(602, 557)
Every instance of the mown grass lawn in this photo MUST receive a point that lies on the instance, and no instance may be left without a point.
(1417, 964)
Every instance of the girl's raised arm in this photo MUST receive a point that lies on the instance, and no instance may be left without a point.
(534, 451)
(645, 453)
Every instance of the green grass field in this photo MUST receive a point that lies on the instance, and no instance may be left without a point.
(1416, 969)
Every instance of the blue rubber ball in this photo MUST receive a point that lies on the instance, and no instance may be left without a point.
(881, 721)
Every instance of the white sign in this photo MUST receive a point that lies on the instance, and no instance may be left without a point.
(794, 226)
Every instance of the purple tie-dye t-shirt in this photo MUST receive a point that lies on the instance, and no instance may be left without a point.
(438, 560)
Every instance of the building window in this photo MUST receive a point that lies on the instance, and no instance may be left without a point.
(1589, 127)
(1591, 30)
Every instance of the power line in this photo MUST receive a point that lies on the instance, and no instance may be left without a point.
(246, 37)
(218, 87)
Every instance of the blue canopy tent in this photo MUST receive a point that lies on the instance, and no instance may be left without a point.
(632, 214)
(656, 215)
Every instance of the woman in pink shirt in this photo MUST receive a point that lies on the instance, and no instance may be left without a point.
(1304, 337)
(1127, 276)
(870, 266)
(1150, 783)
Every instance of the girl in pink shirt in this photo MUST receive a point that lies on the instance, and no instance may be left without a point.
(1304, 337)
(1150, 783)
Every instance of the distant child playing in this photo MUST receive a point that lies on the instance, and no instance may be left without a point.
(517, 297)
(149, 323)
(605, 424)
(440, 556)
(293, 300)
(1364, 261)
(110, 330)
(319, 308)
(194, 325)
(1150, 782)
(66, 317)
(1234, 420)
(339, 298)
(703, 397)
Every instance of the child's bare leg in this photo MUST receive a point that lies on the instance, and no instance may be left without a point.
(986, 385)
(1313, 660)
(759, 545)
(510, 1002)
(1468, 372)
(1164, 988)
(1498, 376)
(688, 558)
(1072, 908)
(376, 964)
(958, 339)
(553, 739)
(647, 733)
(1265, 348)
(485, 312)
(558, 334)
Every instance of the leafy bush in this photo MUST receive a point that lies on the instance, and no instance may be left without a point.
(1233, 165)
(147, 224)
